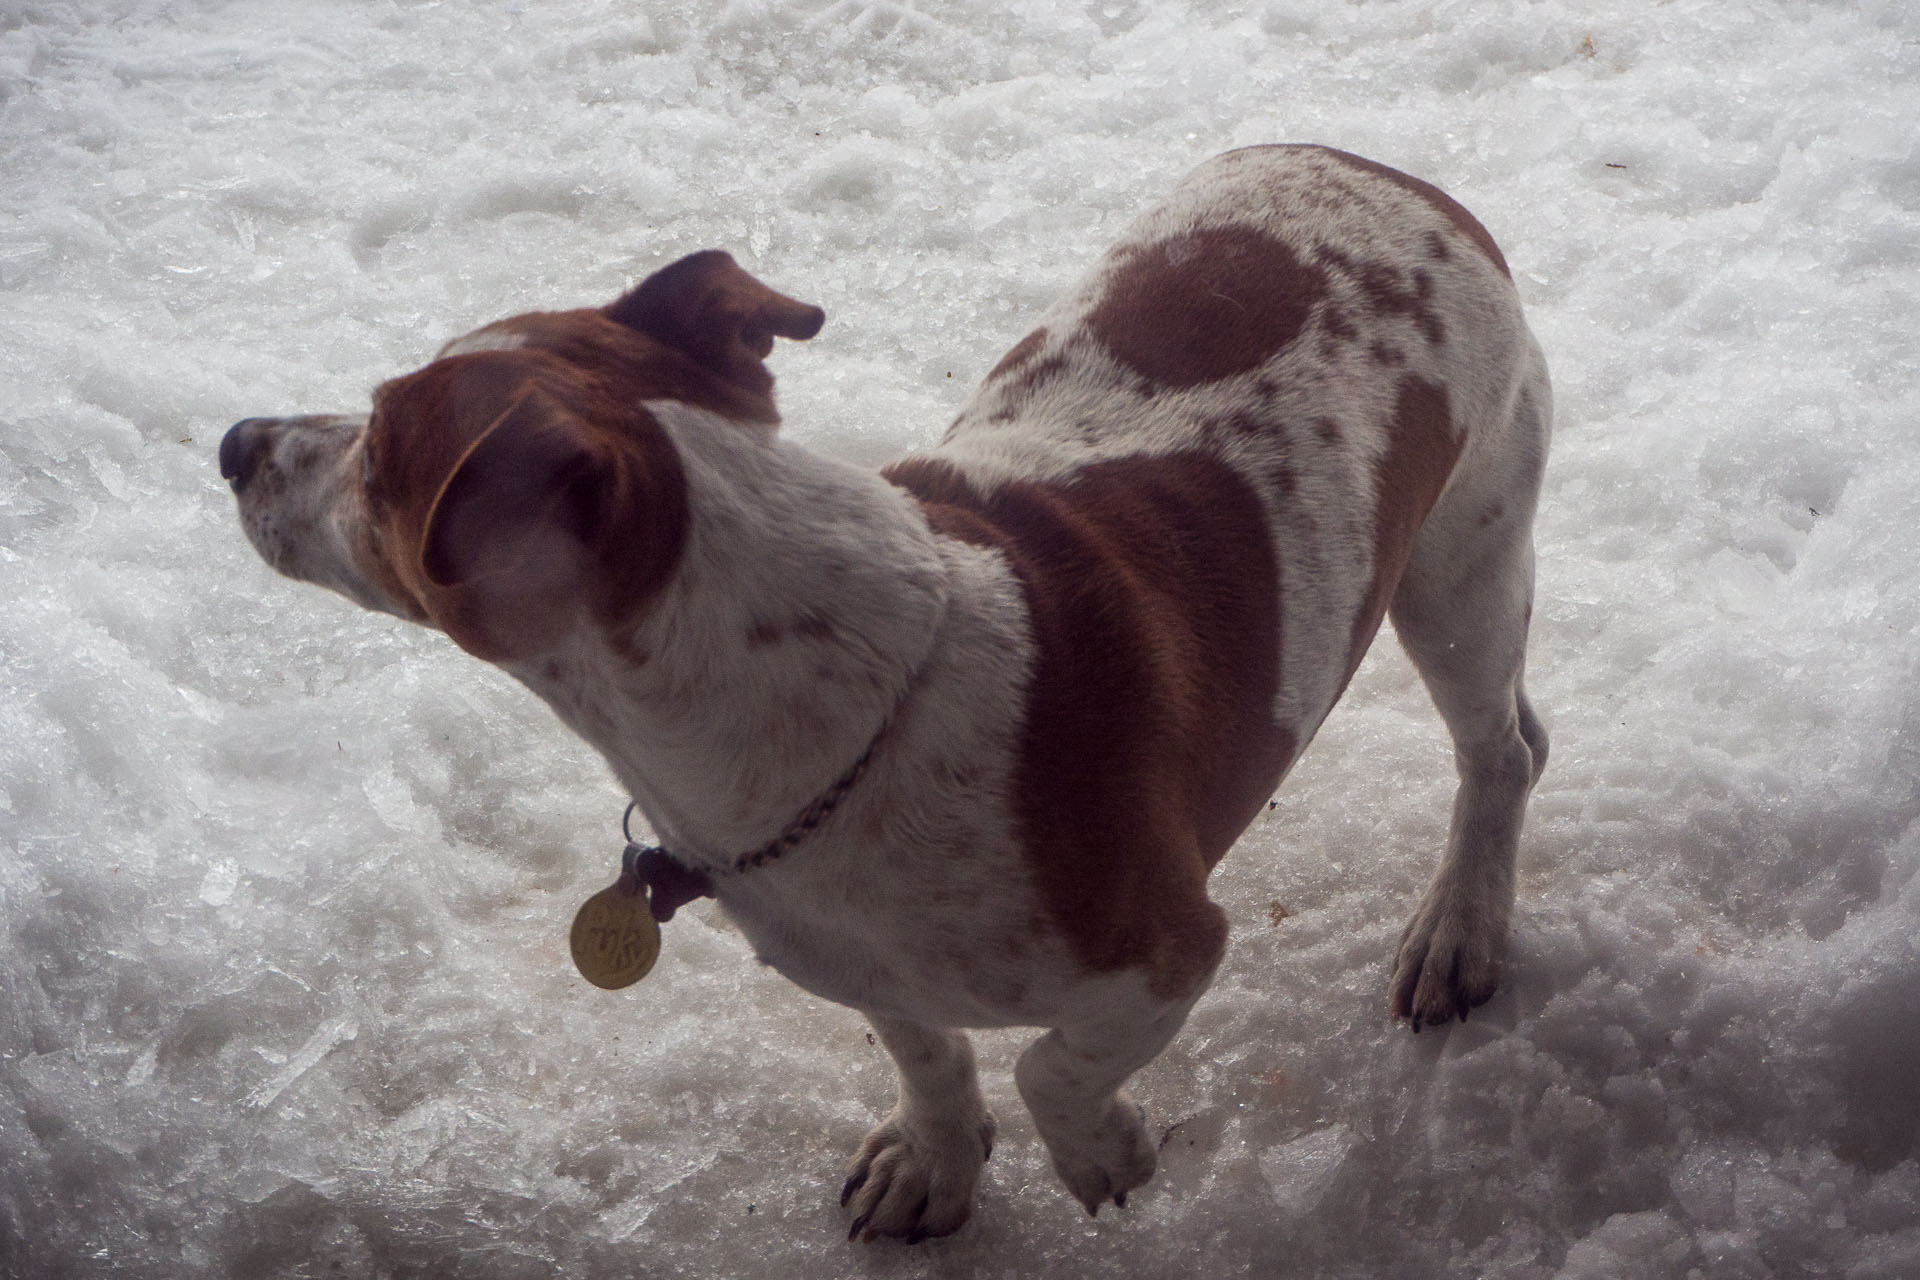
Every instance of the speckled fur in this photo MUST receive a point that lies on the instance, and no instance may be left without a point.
(1329, 347)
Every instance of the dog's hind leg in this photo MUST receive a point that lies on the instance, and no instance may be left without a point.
(914, 1175)
(1461, 611)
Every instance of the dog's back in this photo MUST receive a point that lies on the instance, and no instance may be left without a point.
(1210, 464)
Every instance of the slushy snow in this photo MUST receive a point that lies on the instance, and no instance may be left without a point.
(285, 886)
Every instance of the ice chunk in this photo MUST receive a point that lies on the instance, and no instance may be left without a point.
(1647, 1246)
(216, 888)
(323, 1041)
(1301, 1172)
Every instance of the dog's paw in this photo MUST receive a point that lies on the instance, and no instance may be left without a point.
(1107, 1159)
(916, 1181)
(1449, 961)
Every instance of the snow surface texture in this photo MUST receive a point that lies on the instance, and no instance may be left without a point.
(285, 886)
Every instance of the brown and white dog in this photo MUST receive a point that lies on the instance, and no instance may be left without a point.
(1077, 645)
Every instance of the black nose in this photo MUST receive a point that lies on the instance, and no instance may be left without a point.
(240, 450)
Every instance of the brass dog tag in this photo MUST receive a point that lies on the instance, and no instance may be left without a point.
(615, 940)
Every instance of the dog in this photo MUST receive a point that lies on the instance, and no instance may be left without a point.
(957, 743)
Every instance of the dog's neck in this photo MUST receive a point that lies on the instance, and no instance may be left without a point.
(809, 594)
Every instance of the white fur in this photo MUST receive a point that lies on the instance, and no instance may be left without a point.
(723, 741)
(304, 515)
(487, 338)
(815, 612)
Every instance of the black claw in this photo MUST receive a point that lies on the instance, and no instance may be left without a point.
(1119, 1199)
(854, 1182)
(859, 1225)
(916, 1235)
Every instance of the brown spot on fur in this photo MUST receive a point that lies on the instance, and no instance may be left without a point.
(1148, 743)
(1017, 355)
(1205, 304)
(1038, 372)
(1390, 291)
(1408, 477)
(1247, 423)
(1463, 222)
(764, 634)
(1437, 247)
(1015, 381)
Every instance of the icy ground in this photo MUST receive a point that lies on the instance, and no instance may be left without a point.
(283, 988)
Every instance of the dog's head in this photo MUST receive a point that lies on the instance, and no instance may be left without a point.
(518, 482)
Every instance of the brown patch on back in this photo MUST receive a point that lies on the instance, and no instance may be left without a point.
(1019, 373)
(1390, 291)
(1032, 375)
(1206, 304)
(1408, 478)
(1148, 743)
(1243, 423)
(1017, 355)
(1463, 222)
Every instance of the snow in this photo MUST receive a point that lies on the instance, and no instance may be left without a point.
(285, 888)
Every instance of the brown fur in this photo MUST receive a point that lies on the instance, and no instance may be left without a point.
(574, 405)
(1422, 448)
(1018, 355)
(1148, 743)
(1465, 223)
(1205, 305)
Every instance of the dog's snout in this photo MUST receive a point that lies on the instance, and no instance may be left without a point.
(241, 449)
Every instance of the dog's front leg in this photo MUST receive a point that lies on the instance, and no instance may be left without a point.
(1070, 1079)
(914, 1175)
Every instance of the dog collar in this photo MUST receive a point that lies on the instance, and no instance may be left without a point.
(616, 934)
(671, 883)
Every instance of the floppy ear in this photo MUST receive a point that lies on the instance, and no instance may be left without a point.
(517, 502)
(541, 520)
(706, 306)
